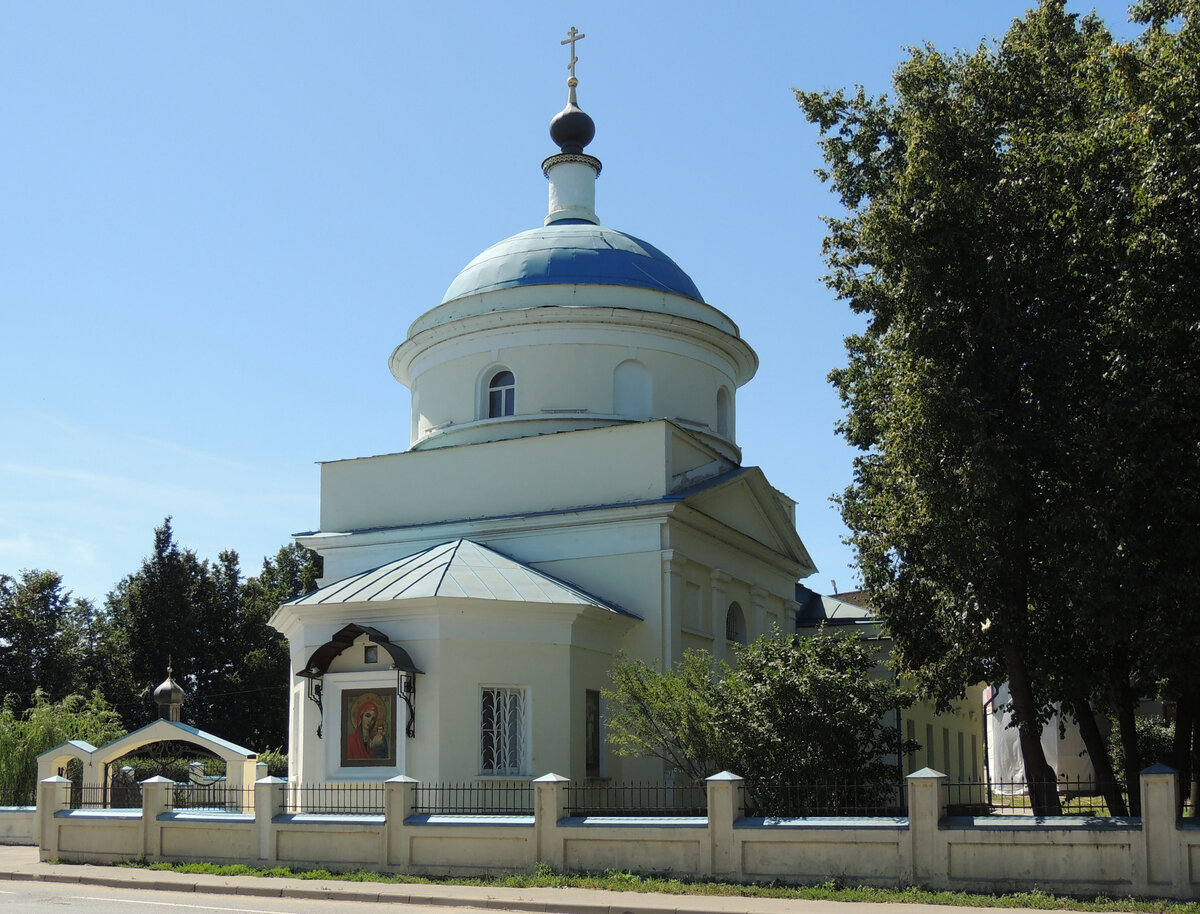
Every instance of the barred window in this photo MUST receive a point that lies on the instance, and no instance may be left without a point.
(502, 731)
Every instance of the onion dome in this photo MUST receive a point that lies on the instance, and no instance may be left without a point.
(169, 698)
(572, 128)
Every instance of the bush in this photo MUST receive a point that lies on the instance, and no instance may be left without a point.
(43, 726)
(276, 761)
(1155, 738)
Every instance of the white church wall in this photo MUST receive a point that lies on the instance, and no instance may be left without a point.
(564, 373)
(598, 466)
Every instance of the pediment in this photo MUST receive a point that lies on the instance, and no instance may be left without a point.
(744, 501)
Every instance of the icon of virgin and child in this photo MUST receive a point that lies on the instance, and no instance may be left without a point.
(367, 719)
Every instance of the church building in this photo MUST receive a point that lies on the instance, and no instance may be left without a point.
(572, 489)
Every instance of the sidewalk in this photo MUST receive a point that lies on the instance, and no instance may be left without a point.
(21, 863)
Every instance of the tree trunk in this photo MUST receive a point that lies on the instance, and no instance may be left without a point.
(1127, 726)
(1097, 751)
(1181, 749)
(1039, 776)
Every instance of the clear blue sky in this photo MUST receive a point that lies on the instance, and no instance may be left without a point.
(218, 219)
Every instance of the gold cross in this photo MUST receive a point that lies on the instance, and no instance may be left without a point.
(573, 36)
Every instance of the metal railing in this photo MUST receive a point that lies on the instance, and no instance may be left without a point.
(825, 799)
(106, 796)
(1077, 797)
(333, 799)
(17, 796)
(474, 799)
(637, 800)
(212, 797)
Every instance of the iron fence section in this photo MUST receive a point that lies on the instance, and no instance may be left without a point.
(106, 796)
(474, 799)
(333, 799)
(825, 799)
(1077, 796)
(17, 796)
(219, 797)
(637, 800)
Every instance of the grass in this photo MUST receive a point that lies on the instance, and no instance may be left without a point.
(613, 880)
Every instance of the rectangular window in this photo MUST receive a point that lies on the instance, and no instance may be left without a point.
(946, 750)
(502, 724)
(962, 759)
(591, 719)
(974, 757)
(911, 727)
(929, 759)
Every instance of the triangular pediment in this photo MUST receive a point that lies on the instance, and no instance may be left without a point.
(744, 501)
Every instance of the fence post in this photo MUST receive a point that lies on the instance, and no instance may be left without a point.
(1164, 865)
(157, 793)
(268, 803)
(549, 805)
(399, 798)
(926, 865)
(726, 804)
(54, 793)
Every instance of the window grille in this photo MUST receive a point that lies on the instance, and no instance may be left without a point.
(502, 731)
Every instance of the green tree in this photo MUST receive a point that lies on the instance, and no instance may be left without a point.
(669, 715)
(211, 627)
(792, 711)
(809, 711)
(38, 637)
(256, 701)
(44, 725)
(1020, 230)
(174, 611)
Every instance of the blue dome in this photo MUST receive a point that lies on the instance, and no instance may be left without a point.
(572, 253)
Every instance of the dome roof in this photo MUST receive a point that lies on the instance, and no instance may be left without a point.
(572, 253)
(168, 691)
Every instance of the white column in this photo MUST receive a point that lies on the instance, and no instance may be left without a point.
(719, 605)
(550, 805)
(54, 793)
(400, 796)
(926, 863)
(726, 805)
(1164, 864)
(156, 799)
(268, 803)
(672, 607)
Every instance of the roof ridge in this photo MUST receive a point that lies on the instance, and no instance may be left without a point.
(446, 570)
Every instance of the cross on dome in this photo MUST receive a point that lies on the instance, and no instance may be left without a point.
(573, 36)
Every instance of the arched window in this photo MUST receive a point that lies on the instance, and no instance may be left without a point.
(735, 624)
(724, 413)
(502, 394)
(633, 390)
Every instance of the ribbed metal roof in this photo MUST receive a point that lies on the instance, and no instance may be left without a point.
(572, 253)
(460, 568)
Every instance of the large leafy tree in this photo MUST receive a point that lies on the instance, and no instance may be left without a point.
(176, 611)
(1021, 232)
(256, 699)
(41, 639)
(210, 626)
(792, 712)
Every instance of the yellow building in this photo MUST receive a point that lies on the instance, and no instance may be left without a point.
(952, 742)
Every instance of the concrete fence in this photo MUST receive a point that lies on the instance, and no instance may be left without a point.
(1157, 854)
